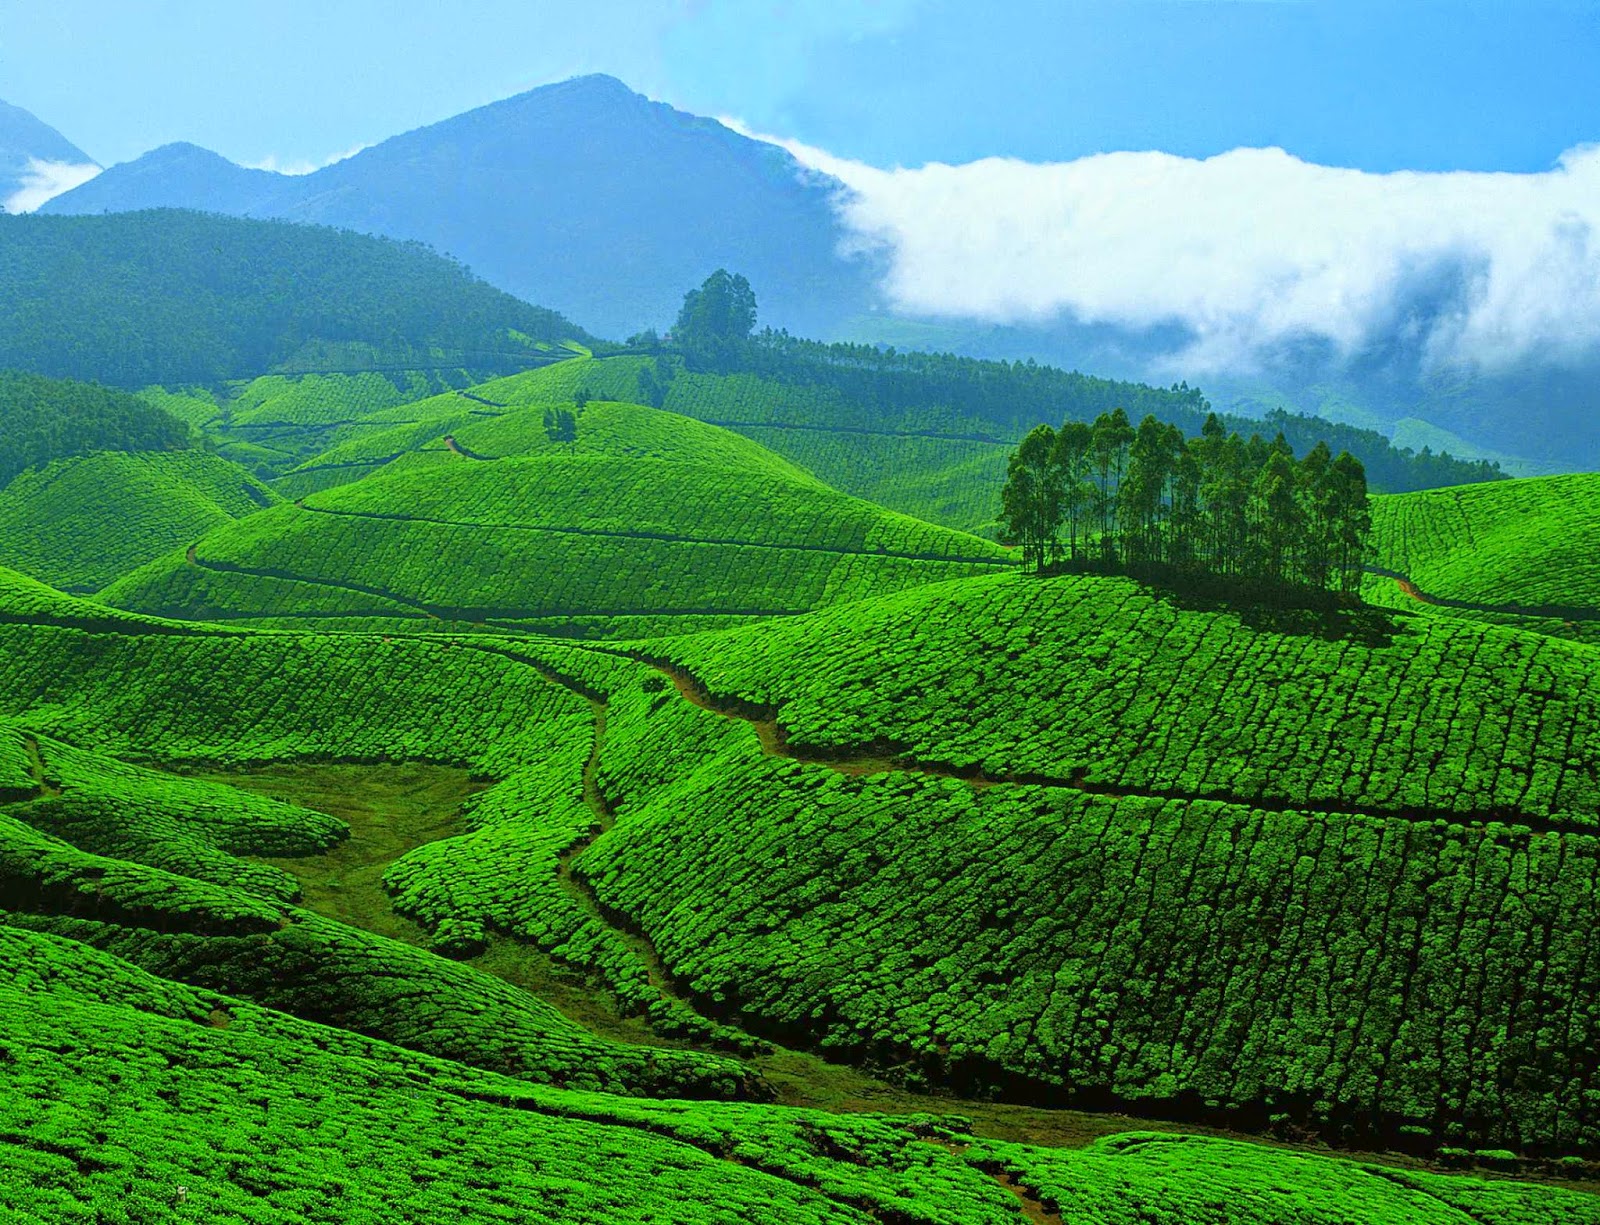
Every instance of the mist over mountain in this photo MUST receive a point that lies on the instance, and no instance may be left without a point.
(36, 161)
(584, 196)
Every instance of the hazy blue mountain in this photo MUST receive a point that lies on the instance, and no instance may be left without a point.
(176, 176)
(31, 148)
(584, 196)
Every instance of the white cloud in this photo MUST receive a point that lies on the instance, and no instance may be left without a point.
(1247, 251)
(43, 180)
(301, 166)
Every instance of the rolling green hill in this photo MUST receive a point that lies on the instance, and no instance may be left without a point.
(357, 1070)
(1344, 889)
(341, 1128)
(79, 523)
(170, 297)
(1520, 552)
(657, 522)
(930, 440)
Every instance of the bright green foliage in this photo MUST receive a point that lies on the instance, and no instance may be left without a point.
(247, 945)
(1352, 974)
(180, 825)
(237, 698)
(277, 421)
(226, 1112)
(17, 772)
(926, 460)
(556, 536)
(196, 407)
(504, 875)
(79, 523)
(44, 419)
(1068, 679)
(1138, 1178)
(1523, 547)
(1389, 961)
(27, 600)
(515, 427)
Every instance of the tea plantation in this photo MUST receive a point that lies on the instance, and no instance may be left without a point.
(154, 988)
(555, 536)
(464, 812)
(1518, 552)
(83, 522)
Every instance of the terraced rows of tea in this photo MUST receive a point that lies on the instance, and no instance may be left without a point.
(531, 542)
(1516, 552)
(863, 900)
(80, 523)
(512, 801)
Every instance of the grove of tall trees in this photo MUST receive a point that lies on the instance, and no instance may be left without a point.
(1111, 494)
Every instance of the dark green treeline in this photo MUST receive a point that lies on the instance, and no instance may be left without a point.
(1108, 493)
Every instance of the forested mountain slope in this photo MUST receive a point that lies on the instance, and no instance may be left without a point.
(28, 144)
(44, 419)
(585, 195)
(177, 297)
(138, 945)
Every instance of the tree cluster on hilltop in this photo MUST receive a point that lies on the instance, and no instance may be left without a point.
(1111, 494)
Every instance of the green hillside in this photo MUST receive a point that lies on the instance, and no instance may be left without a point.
(354, 1129)
(1343, 891)
(505, 418)
(1521, 552)
(355, 1068)
(930, 440)
(169, 297)
(664, 523)
(79, 523)
(562, 797)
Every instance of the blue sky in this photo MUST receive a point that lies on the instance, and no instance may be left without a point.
(1418, 84)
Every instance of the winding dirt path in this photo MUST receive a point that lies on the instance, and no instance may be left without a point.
(883, 757)
(450, 442)
(1556, 612)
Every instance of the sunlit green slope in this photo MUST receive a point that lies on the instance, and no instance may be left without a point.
(648, 522)
(79, 523)
(1069, 840)
(221, 1111)
(504, 418)
(1525, 551)
(188, 1046)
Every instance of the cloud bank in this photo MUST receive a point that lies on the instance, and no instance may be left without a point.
(41, 181)
(1248, 253)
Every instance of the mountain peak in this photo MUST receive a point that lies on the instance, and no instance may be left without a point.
(23, 135)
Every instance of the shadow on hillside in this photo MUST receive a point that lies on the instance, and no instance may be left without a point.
(1300, 611)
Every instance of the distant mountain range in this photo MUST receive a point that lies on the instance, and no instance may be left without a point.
(36, 161)
(590, 199)
(582, 196)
